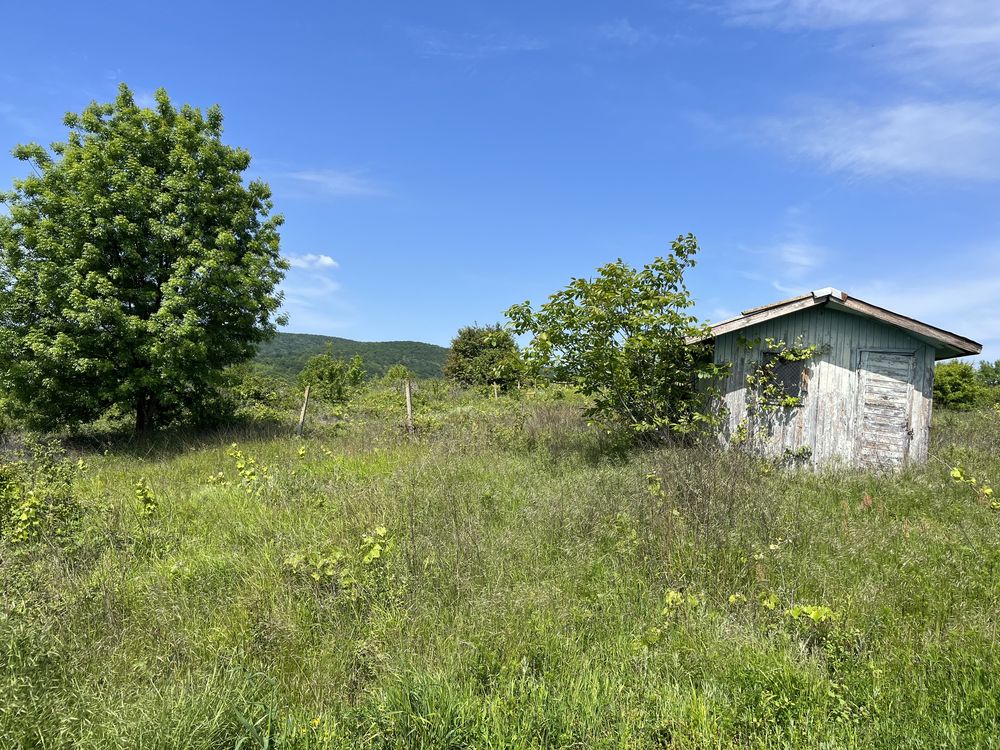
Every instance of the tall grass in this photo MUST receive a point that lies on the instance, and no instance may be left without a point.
(508, 577)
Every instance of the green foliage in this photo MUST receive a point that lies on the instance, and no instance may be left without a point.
(286, 354)
(332, 380)
(956, 385)
(626, 340)
(484, 356)
(37, 501)
(988, 373)
(135, 265)
(258, 397)
(254, 477)
(147, 500)
(397, 374)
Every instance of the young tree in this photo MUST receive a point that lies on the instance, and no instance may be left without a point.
(135, 265)
(483, 355)
(625, 338)
(397, 374)
(330, 379)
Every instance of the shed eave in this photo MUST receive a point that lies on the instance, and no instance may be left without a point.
(946, 344)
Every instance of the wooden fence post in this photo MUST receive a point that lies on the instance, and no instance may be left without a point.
(302, 414)
(409, 407)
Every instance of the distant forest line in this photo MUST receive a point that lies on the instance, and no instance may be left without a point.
(286, 354)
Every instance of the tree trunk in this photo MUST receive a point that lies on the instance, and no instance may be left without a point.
(146, 408)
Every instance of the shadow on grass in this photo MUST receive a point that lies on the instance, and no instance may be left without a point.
(121, 440)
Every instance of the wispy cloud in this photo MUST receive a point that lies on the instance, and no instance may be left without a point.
(622, 31)
(315, 303)
(793, 262)
(931, 47)
(338, 182)
(312, 261)
(819, 14)
(957, 39)
(958, 140)
(798, 257)
(471, 46)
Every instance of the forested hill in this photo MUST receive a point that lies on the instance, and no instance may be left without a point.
(286, 354)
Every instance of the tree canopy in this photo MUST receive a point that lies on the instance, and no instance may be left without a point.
(482, 356)
(626, 339)
(135, 265)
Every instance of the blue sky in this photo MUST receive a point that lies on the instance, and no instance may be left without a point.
(437, 162)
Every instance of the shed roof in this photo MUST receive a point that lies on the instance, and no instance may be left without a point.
(945, 343)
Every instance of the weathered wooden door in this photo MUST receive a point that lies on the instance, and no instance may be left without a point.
(884, 408)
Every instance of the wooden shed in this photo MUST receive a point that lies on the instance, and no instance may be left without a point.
(827, 378)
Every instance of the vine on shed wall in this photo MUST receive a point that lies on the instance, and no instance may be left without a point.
(765, 396)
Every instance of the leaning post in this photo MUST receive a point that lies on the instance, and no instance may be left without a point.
(302, 414)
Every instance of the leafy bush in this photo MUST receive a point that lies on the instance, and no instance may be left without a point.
(484, 356)
(36, 494)
(330, 379)
(956, 385)
(258, 397)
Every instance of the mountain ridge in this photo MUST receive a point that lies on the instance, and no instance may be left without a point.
(286, 354)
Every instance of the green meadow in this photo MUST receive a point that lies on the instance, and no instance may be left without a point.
(503, 577)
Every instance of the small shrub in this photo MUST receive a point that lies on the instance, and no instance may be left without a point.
(36, 494)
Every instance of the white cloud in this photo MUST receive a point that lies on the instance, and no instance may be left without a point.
(312, 261)
(958, 140)
(337, 182)
(621, 31)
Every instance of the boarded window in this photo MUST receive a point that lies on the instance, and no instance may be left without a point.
(787, 376)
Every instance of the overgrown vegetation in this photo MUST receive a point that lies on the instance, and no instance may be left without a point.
(507, 576)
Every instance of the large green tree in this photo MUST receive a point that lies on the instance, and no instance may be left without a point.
(135, 265)
(627, 339)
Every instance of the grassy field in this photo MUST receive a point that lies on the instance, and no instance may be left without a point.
(507, 578)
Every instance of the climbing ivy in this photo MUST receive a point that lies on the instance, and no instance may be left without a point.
(765, 395)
